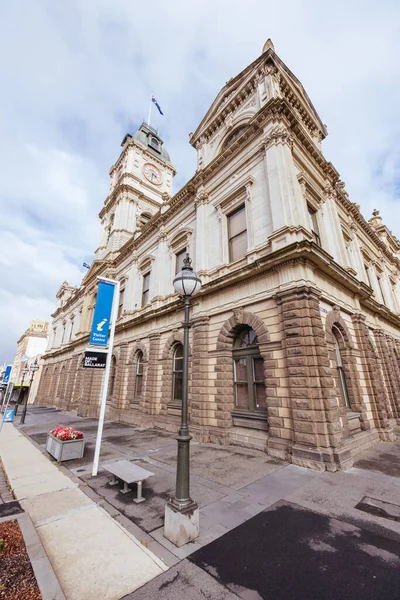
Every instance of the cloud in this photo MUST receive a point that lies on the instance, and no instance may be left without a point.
(77, 76)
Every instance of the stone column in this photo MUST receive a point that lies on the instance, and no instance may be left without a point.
(388, 372)
(150, 406)
(200, 378)
(287, 205)
(394, 365)
(316, 422)
(374, 377)
(120, 380)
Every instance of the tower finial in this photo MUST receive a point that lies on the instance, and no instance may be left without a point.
(268, 45)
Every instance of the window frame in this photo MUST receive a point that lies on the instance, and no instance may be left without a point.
(240, 208)
(146, 291)
(178, 346)
(344, 388)
(379, 280)
(121, 302)
(183, 253)
(313, 220)
(250, 353)
(139, 376)
(366, 269)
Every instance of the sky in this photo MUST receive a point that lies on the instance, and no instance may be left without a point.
(76, 76)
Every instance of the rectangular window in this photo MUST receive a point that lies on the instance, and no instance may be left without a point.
(146, 288)
(139, 378)
(180, 257)
(237, 233)
(367, 274)
(381, 289)
(121, 302)
(314, 225)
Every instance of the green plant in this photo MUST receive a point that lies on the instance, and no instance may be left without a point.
(2, 544)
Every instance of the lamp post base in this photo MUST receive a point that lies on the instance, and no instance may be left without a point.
(181, 527)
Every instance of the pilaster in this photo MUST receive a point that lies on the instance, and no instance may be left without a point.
(388, 372)
(373, 375)
(316, 422)
(200, 377)
(150, 405)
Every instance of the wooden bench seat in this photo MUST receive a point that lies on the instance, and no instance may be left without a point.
(129, 473)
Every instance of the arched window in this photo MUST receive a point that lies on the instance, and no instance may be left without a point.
(113, 373)
(155, 144)
(233, 137)
(248, 369)
(338, 339)
(177, 373)
(139, 376)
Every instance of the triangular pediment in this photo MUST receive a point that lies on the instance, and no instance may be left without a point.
(233, 87)
(238, 86)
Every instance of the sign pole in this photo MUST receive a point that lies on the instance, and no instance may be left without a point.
(114, 313)
(6, 408)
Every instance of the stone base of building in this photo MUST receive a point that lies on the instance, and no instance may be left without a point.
(248, 438)
(280, 448)
(322, 459)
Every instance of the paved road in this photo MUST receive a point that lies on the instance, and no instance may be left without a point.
(286, 553)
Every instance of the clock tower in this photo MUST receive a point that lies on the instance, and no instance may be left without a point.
(141, 181)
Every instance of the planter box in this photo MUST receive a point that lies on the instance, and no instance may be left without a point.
(64, 450)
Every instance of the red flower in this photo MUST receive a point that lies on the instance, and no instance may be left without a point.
(66, 434)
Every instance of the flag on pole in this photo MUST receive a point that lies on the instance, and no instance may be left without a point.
(158, 106)
(86, 265)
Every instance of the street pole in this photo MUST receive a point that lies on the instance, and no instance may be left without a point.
(182, 500)
(19, 394)
(33, 368)
(181, 524)
(114, 314)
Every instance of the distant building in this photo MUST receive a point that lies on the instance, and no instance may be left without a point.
(295, 338)
(30, 346)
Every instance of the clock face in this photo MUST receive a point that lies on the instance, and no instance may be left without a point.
(152, 173)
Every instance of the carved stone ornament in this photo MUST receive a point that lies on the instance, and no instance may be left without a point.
(248, 191)
(238, 314)
(330, 192)
(279, 135)
(229, 121)
(202, 197)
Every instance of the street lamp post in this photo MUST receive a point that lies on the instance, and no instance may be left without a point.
(33, 368)
(24, 371)
(182, 513)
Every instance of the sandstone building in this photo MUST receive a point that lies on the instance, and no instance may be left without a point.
(295, 339)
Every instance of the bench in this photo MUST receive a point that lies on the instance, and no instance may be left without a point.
(128, 473)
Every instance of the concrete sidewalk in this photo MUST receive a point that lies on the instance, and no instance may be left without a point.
(92, 555)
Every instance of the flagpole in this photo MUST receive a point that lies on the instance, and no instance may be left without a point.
(149, 115)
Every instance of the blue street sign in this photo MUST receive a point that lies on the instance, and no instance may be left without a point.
(9, 415)
(7, 374)
(102, 314)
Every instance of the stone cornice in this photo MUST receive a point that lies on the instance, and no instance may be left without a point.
(298, 252)
(355, 213)
(120, 188)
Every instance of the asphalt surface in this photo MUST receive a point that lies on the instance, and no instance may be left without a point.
(286, 553)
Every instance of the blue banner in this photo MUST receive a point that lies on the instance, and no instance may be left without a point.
(9, 415)
(7, 374)
(102, 314)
